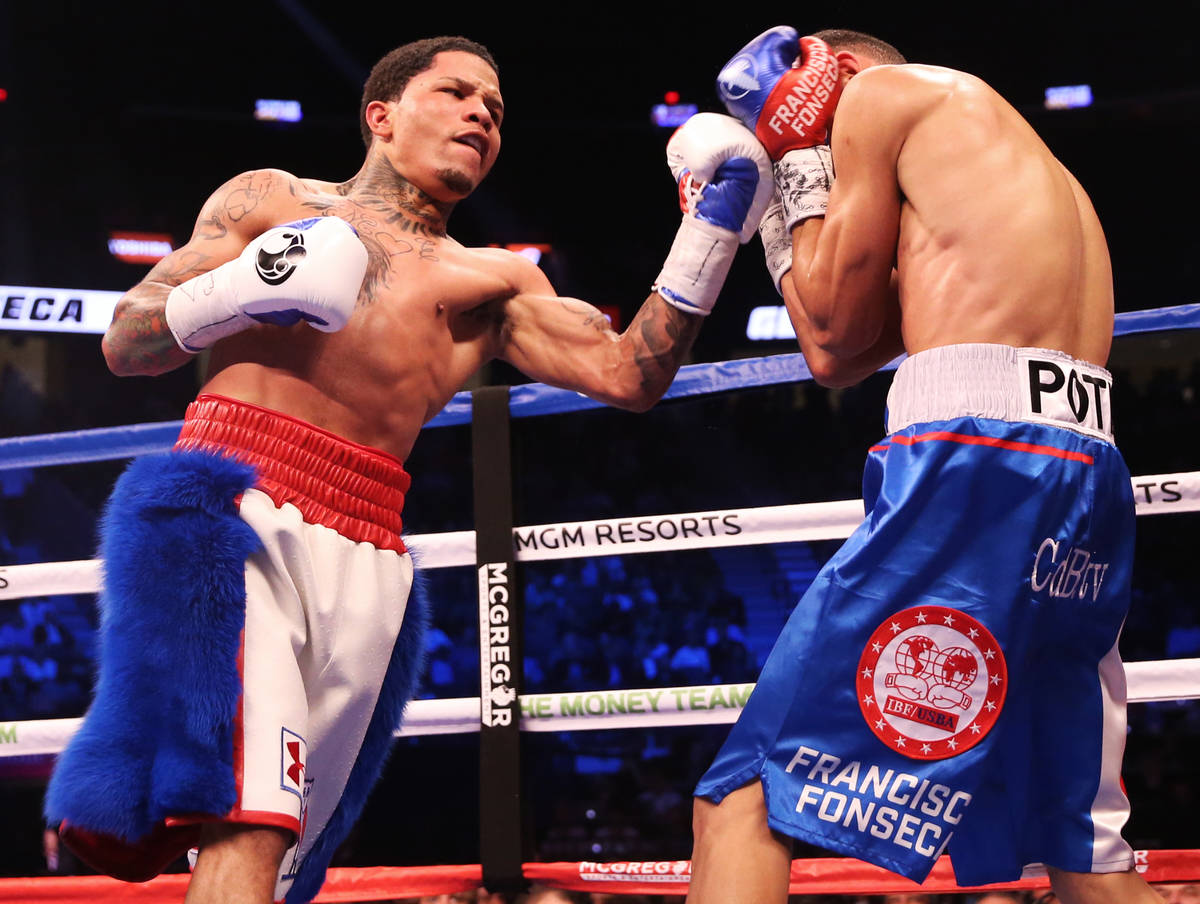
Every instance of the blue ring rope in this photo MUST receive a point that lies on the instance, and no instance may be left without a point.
(527, 400)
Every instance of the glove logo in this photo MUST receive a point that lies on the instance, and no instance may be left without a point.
(279, 255)
(738, 78)
(931, 682)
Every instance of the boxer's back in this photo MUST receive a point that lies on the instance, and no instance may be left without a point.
(998, 242)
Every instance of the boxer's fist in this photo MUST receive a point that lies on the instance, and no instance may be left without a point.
(725, 183)
(309, 270)
(783, 87)
(723, 172)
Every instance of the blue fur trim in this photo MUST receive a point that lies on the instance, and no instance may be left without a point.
(399, 684)
(158, 737)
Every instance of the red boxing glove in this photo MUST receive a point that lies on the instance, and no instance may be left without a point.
(798, 109)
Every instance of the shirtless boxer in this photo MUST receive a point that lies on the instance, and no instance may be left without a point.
(951, 679)
(254, 663)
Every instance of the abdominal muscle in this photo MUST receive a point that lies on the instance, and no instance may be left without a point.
(375, 383)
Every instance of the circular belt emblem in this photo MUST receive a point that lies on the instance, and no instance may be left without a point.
(931, 682)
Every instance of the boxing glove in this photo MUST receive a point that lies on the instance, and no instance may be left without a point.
(309, 270)
(725, 183)
(784, 88)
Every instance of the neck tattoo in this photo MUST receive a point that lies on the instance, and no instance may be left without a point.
(382, 188)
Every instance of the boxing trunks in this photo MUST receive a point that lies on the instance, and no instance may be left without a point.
(258, 645)
(951, 681)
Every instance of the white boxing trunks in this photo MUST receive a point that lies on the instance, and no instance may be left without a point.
(307, 703)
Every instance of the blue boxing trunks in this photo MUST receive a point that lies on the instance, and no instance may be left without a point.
(258, 646)
(951, 680)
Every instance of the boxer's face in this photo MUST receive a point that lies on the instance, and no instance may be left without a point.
(446, 125)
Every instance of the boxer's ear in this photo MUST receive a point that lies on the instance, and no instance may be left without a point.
(849, 64)
(378, 116)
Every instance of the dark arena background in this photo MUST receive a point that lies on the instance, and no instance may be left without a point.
(118, 120)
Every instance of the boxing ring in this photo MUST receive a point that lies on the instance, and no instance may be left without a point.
(495, 549)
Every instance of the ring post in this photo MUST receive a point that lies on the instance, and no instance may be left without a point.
(500, 631)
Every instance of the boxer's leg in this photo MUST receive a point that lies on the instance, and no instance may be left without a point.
(237, 864)
(1101, 888)
(736, 858)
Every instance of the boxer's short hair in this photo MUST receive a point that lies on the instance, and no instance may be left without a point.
(869, 45)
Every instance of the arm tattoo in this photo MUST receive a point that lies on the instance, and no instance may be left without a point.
(245, 194)
(179, 268)
(662, 336)
(140, 338)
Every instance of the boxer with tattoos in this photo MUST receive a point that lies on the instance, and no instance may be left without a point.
(259, 642)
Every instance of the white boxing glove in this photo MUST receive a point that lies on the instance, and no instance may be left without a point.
(725, 183)
(309, 270)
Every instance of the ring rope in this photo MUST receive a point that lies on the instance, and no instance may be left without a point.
(1154, 495)
(819, 875)
(1153, 681)
(654, 707)
(1148, 681)
(526, 400)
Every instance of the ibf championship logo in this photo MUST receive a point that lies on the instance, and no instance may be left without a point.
(931, 682)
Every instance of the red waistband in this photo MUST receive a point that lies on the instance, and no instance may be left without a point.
(354, 489)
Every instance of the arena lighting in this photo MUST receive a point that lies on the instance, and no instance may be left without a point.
(767, 323)
(3, 95)
(46, 310)
(671, 114)
(140, 247)
(278, 110)
(1066, 97)
(530, 250)
(612, 313)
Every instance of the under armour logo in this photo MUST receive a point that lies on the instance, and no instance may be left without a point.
(293, 751)
(297, 768)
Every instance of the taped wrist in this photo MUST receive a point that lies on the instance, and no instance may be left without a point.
(804, 177)
(696, 266)
(776, 241)
(203, 310)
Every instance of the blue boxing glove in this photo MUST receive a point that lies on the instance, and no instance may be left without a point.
(786, 88)
(725, 183)
(310, 270)
(783, 87)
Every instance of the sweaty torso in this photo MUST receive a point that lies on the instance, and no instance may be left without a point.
(998, 242)
(426, 320)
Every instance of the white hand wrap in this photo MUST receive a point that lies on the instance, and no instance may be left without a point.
(804, 178)
(776, 242)
(725, 182)
(696, 266)
(310, 270)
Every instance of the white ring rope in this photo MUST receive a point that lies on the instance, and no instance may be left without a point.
(1155, 681)
(655, 707)
(1154, 495)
